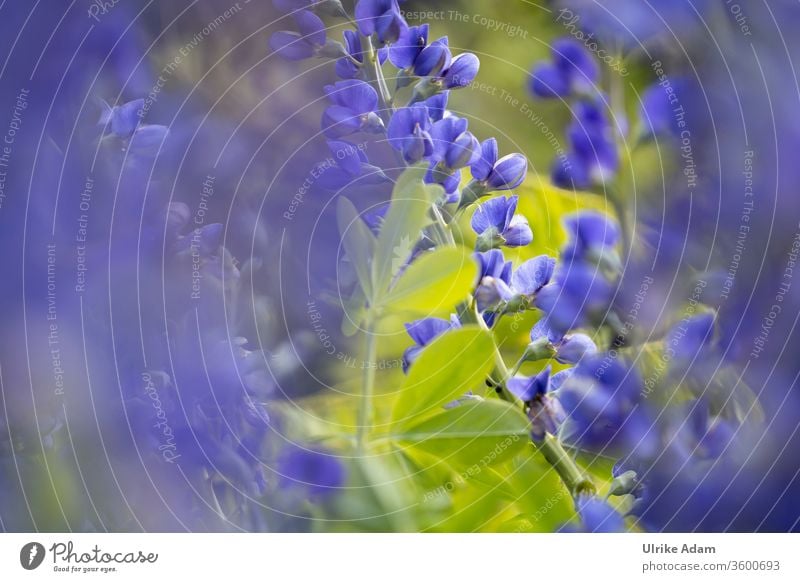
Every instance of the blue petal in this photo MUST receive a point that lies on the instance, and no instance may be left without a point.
(311, 27)
(356, 95)
(598, 516)
(433, 59)
(575, 61)
(125, 118)
(424, 331)
(405, 51)
(290, 46)
(509, 172)
(532, 275)
(484, 165)
(462, 71)
(347, 156)
(437, 105)
(574, 347)
(549, 82)
(591, 230)
(493, 213)
(339, 121)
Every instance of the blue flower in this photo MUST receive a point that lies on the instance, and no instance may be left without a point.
(573, 70)
(532, 275)
(494, 278)
(381, 18)
(569, 349)
(409, 133)
(461, 72)
(437, 105)
(454, 146)
(403, 53)
(544, 411)
(688, 338)
(593, 156)
(497, 223)
(597, 516)
(503, 174)
(315, 471)
(602, 400)
(349, 164)
(433, 59)
(350, 66)
(423, 332)
(353, 109)
(122, 120)
(300, 45)
(591, 234)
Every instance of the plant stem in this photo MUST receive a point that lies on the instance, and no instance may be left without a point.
(572, 475)
(377, 76)
(368, 386)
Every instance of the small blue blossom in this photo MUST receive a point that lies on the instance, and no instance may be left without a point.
(350, 163)
(305, 43)
(461, 72)
(532, 275)
(433, 59)
(353, 109)
(597, 516)
(602, 400)
(497, 224)
(437, 105)
(593, 156)
(572, 71)
(688, 338)
(409, 133)
(504, 174)
(453, 146)
(350, 66)
(404, 53)
(122, 120)
(569, 348)
(544, 411)
(423, 332)
(381, 18)
(318, 473)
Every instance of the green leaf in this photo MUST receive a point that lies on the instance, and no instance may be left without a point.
(478, 433)
(407, 216)
(434, 283)
(453, 364)
(358, 241)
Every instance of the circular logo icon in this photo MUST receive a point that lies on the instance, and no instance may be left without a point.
(31, 555)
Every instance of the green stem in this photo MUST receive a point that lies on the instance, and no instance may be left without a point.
(377, 76)
(572, 475)
(368, 386)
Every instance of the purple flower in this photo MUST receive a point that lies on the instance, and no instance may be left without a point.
(544, 411)
(570, 349)
(350, 65)
(353, 109)
(122, 120)
(300, 45)
(497, 224)
(503, 174)
(381, 18)
(493, 283)
(315, 471)
(412, 41)
(593, 156)
(598, 516)
(532, 275)
(433, 59)
(573, 70)
(409, 133)
(462, 71)
(453, 145)
(350, 163)
(689, 337)
(590, 235)
(423, 332)
(437, 105)
(602, 401)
